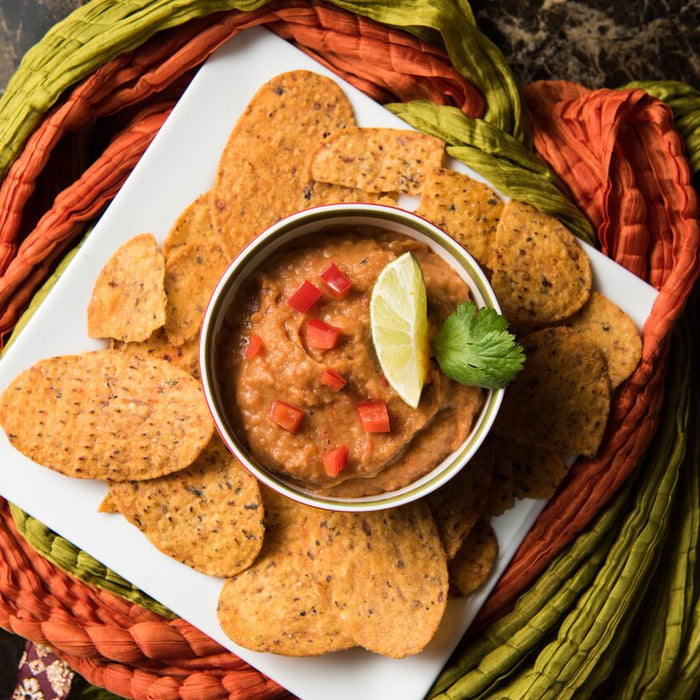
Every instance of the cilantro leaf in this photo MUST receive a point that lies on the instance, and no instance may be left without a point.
(475, 348)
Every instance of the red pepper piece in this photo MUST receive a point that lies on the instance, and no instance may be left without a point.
(304, 297)
(335, 460)
(374, 416)
(321, 335)
(333, 379)
(286, 415)
(255, 345)
(336, 282)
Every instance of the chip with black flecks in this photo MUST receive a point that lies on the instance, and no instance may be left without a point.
(275, 606)
(466, 209)
(128, 300)
(475, 559)
(107, 415)
(613, 331)
(541, 275)
(560, 401)
(208, 516)
(378, 160)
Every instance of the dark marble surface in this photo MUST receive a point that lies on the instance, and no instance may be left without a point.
(595, 42)
(598, 43)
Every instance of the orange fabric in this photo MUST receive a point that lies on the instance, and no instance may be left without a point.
(623, 162)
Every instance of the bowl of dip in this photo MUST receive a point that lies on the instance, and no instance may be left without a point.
(288, 365)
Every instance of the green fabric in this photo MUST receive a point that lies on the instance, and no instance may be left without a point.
(654, 656)
(515, 170)
(75, 561)
(684, 100)
(102, 29)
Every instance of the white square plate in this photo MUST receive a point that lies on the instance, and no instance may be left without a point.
(179, 165)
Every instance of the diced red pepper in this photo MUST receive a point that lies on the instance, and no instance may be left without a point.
(286, 415)
(335, 460)
(338, 284)
(255, 345)
(374, 416)
(333, 379)
(304, 297)
(321, 335)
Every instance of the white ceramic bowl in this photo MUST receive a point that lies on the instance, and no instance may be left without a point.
(254, 255)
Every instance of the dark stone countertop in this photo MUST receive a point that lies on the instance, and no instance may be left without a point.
(597, 43)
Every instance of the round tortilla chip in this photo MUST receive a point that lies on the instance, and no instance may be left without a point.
(385, 574)
(468, 210)
(541, 274)
(264, 170)
(191, 273)
(128, 300)
(560, 401)
(475, 559)
(613, 331)
(209, 516)
(274, 605)
(106, 415)
(194, 226)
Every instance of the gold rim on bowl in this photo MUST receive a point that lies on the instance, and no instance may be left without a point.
(266, 244)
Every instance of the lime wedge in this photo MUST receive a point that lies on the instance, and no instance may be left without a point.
(398, 314)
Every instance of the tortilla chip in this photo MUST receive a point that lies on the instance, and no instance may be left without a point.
(208, 516)
(128, 300)
(106, 415)
(191, 274)
(457, 505)
(501, 496)
(194, 226)
(264, 169)
(541, 274)
(185, 356)
(537, 473)
(561, 399)
(476, 558)
(468, 210)
(108, 505)
(274, 605)
(385, 574)
(613, 331)
(378, 160)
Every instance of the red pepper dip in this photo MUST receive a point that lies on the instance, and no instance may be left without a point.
(302, 384)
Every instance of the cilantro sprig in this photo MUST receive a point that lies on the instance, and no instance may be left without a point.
(475, 348)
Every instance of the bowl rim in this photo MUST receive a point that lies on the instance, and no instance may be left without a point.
(266, 244)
